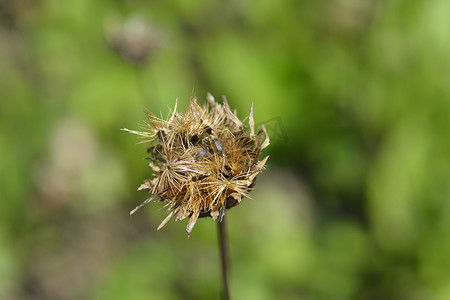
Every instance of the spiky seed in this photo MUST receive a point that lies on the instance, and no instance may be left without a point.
(202, 153)
(219, 145)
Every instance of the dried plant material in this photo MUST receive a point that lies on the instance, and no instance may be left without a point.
(251, 122)
(143, 203)
(204, 160)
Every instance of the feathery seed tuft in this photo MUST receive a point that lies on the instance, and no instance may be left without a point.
(204, 160)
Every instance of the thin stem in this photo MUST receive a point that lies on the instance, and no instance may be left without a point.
(224, 255)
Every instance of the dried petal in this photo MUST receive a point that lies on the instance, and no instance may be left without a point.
(145, 186)
(251, 122)
(237, 197)
(143, 203)
(192, 222)
(166, 220)
(221, 213)
(214, 211)
(182, 213)
(266, 141)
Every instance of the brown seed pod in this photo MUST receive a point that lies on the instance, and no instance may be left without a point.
(204, 160)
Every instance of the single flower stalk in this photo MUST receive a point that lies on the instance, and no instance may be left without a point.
(205, 160)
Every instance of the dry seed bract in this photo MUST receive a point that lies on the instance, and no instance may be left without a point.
(204, 160)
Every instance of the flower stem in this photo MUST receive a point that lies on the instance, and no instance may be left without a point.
(224, 255)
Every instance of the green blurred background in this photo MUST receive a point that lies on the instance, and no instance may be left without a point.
(354, 203)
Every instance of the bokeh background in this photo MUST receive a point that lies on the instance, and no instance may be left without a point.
(354, 203)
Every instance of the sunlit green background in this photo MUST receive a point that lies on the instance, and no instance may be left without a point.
(355, 201)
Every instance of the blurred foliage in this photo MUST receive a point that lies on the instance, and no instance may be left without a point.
(355, 201)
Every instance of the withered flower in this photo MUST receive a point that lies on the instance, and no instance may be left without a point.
(204, 159)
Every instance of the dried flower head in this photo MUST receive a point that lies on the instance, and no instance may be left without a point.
(205, 160)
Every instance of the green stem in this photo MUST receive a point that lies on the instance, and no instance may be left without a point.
(224, 255)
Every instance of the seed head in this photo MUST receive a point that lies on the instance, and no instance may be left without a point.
(204, 160)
